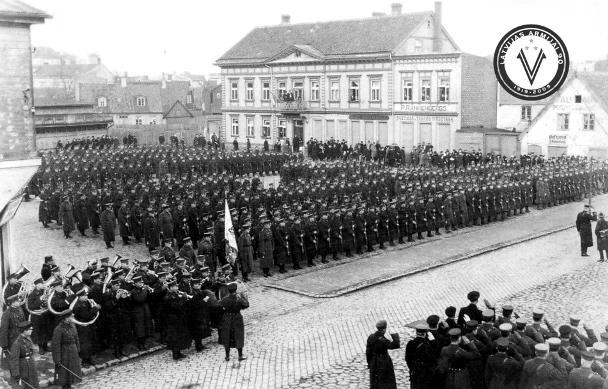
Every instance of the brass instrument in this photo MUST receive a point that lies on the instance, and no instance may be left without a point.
(122, 293)
(78, 276)
(115, 261)
(107, 280)
(20, 273)
(184, 294)
(69, 269)
(132, 271)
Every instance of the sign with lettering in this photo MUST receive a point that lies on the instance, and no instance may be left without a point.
(420, 118)
(558, 140)
(424, 107)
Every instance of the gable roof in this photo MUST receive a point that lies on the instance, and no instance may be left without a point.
(173, 91)
(123, 100)
(335, 38)
(18, 11)
(178, 110)
(505, 98)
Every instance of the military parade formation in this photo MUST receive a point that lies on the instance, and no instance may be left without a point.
(481, 347)
(174, 199)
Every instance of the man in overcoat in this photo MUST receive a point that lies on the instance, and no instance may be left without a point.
(379, 363)
(583, 226)
(232, 333)
(108, 225)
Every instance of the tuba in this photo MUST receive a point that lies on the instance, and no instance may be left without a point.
(77, 275)
(107, 280)
(44, 298)
(115, 261)
(20, 273)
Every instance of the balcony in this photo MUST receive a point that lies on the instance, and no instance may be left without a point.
(288, 103)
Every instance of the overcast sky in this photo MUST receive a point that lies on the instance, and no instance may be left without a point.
(149, 37)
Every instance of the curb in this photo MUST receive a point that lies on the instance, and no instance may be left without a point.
(447, 261)
(90, 370)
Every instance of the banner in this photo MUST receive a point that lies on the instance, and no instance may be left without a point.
(231, 246)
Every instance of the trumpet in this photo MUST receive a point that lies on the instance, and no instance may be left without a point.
(122, 293)
(132, 271)
(69, 269)
(107, 280)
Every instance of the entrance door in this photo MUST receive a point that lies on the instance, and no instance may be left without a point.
(556, 151)
(443, 137)
(298, 132)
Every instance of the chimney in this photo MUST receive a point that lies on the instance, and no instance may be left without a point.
(378, 14)
(123, 80)
(285, 19)
(437, 43)
(396, 9)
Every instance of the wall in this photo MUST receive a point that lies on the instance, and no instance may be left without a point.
(509, 116)
(478, 92)
(544, 133)
(130, 119)
(148, 135)
(16, 119)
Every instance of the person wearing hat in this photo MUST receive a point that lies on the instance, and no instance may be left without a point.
(504, 367)
(151, 230)
(166, 253)
(421, 355)
(471, 310)
(584, 376)
(85, 311)
(245, 251)
(232, 329)
(201, 304)
(507, 315)
(165, 223)
(45, 271)
(379, 362)
(140, 311)
(601, 234)
(21, 360)
(537, 319)
(187, 251)
(13, 286)
(114, 329)
(453, 360)
(41, 323)
(177, 331)
(81, 215)
(108, 225)
(266, 248)
(282, 251)
(205, 255)
(65, 345)
(450, 320)
(66, 214)
(583, 226)
(123, 215)
(589, 338)
(9, 322)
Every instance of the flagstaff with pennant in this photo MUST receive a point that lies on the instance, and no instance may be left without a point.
(231, 246)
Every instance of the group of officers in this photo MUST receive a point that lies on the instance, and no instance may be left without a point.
(477, 348)
(114, 303)
(320, 209)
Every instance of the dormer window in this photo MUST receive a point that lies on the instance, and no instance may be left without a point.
(102, 102)
(141, 101)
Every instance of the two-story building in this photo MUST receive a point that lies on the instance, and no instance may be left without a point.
(574, 121)
(393, 79)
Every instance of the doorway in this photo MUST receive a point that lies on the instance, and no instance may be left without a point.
(298, 134)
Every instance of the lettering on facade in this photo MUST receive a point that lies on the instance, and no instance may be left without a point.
(424, 107)
(557, 140)
(416, 118)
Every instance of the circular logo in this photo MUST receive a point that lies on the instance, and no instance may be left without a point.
(531, 62)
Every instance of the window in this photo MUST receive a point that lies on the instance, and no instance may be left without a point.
(234, 90)
(281, 88)
(314, 90)
(374, 89)
(589, 121)
(265, 90)
(417, 46)
(443, 91)
(425, 86)
(353, 90)
(266, 127)
(334, 89)
(578, 99)
(282, 128)
(189, 98)
(249, 90)
(298, 90)
(526, 112)
(138, 122)
(235, 126)
(141, 101)
(250, 127)
(563, 121)
(408, 86)
(102, 102)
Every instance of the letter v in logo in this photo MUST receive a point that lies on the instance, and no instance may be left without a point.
(531, 73)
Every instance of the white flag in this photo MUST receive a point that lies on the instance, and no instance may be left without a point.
(231, 248)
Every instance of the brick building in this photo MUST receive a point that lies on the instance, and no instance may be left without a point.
(394, 79)
(17, 139)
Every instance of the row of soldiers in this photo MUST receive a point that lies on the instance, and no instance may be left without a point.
(114, 304)
(91, 142)
(364, 204)
(478, 349)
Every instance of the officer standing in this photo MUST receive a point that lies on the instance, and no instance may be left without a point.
(379, 363)
(583, 226)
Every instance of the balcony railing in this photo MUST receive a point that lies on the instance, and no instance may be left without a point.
(290, 104)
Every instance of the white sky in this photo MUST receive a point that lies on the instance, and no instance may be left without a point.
(133, 35)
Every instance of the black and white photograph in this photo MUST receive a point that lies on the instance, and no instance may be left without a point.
(304, 195)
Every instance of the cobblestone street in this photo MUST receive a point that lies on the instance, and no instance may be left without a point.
(295, 341)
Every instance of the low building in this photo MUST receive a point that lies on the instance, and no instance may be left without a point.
(574, 121)
(67, 120)
(397, 78)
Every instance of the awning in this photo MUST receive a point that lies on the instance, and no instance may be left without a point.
(368, 116)
(14, 177)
